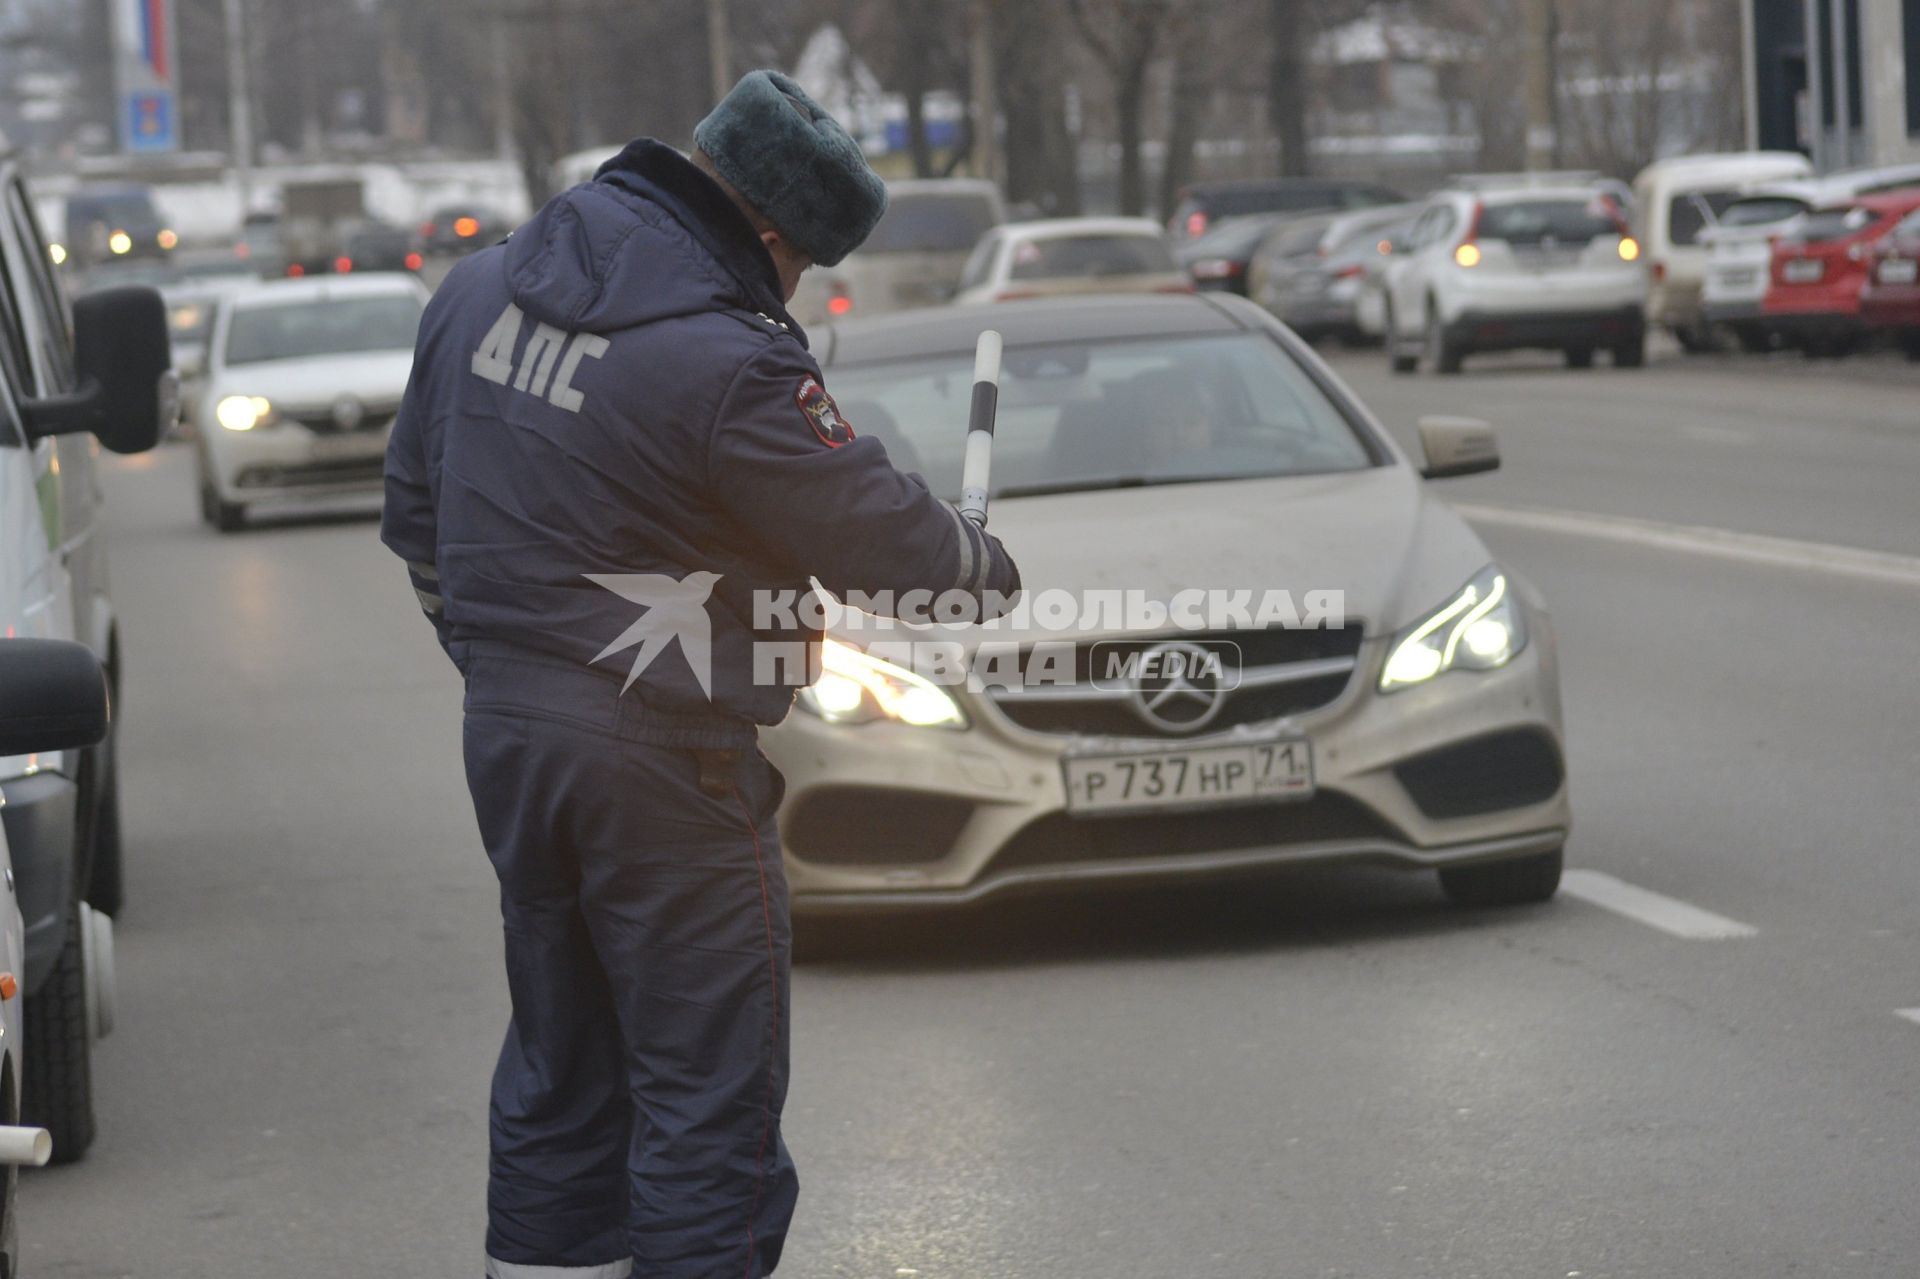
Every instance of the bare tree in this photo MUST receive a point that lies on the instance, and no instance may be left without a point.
(1042, 168)
(1124, 37)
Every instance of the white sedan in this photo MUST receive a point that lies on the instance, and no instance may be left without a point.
(1059, 256)
(303, 380)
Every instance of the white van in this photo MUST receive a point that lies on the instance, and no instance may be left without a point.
(71, 380)
(1674, 200)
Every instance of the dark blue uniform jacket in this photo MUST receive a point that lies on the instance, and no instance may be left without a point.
(618, 391)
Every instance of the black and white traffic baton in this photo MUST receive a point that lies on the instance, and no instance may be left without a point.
(986, 403)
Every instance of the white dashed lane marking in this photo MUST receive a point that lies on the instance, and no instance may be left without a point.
(1656, 910)
(1695, 539)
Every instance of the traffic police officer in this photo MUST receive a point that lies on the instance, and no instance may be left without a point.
(613, 440)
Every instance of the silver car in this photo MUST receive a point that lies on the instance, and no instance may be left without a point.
(302, 381)
(1187, 487)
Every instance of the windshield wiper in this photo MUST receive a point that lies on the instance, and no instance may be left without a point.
(1130, 482)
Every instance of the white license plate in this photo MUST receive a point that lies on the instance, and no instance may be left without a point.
(1899, 271)
(1803, 270)
(356, 444)
(1739, 279)
(1180, 778)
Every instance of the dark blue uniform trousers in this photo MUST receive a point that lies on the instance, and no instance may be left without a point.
(636, 1103)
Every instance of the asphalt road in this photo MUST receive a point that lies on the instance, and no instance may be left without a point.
(1331, 1075)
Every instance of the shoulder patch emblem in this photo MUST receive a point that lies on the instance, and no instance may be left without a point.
(822, 414)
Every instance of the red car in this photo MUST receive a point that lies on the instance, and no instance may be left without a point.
(1890, 303)
(1818, 271)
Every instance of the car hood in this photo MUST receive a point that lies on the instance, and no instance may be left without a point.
(1376, 535)
(376, 377)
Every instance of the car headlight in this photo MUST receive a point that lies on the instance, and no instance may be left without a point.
(856, 688)
(242, 412)
(1479, 629)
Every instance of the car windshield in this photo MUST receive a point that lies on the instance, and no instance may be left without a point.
(1564, 221)
(930, 222)
(1692, 212)
(128, 209)
(1075, 256)
(1834, 224)
(1761, 210)
(330, 326)
(1111, 414)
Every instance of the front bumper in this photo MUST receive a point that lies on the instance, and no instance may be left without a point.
(287, 460)
(882, 816)
(1500, 331)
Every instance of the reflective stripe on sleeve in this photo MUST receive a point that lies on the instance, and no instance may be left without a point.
(513, 1270)
(432, 603)
(427, 571)
(970, 566)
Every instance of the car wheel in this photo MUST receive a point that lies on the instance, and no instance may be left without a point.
(1753, 341)
(105, 889)
(1444, 354)
(1579, 357)
(1912, 347)
(1397, 357)
(1515, 881)
(1631, 354)
(57, 1091)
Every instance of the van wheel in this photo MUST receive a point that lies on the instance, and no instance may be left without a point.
(57, 1091)
(1397, 358)
(1444, 353)
(1515, 881)
(1579, 357)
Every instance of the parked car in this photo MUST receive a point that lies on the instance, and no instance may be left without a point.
(108, 222)
(1151, 443)
(1218, 260)
(1740, 246)
(1311, 273)
(914, 257)
(303, 380)
(1024, 260)
(73, 379)
(1819, 268)
(1890, 302)
(1201, 204)
(258, 245)
(1508, 263)
(53, 700)
(1677, 198)
(456, 229)
(1370, 306)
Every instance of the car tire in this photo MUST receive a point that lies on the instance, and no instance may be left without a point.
(1694, 339)
(1443, 353)
(1911, 346)
(1631, 354)
(1397, 358)
(106, 887)
(1753, 341)
(1515, 881)
(228, 517)
(1579, 357)
(57, 1075)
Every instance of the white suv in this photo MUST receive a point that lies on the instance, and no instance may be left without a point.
(1503, 264)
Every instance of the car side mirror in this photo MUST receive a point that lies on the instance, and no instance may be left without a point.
(1457, 446)
(53, 696)
(128, 395)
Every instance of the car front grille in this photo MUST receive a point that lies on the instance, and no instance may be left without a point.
(1059, 839)
(1271, 674)
(343, 471)
(374, 419)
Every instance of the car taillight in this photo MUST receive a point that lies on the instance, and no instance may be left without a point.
(1196, 224)
(839, 304)
(243, 250)
(1658, 271)
(428, 230)
(342, 264)
(1629, 250)
(466, 228)
(295, 270)
(1349, 271)
(1216, 269)
(415, 261)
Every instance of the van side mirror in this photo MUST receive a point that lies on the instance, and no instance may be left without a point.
(128, 395)
(53, 696)
(1457, 446)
